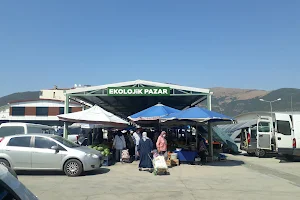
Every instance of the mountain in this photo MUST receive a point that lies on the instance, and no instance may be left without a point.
(233, 102)
(229, 101)
(32, 95)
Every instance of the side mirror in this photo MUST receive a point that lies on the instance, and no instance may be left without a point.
(55, 148)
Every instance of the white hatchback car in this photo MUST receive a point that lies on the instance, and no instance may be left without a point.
(48, 152)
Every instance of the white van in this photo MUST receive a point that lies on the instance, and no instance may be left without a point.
(259, 139)
(13, 128)
(279, 134)
(288, 134)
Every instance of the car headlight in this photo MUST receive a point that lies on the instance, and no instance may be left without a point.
(92, 155)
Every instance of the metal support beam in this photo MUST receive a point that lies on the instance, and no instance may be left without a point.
(208, 101)
(210, 141)
(66, 112)
(112, 106)
(105, 95)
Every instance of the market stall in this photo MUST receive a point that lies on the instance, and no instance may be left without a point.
(197, 116)
(96, 118)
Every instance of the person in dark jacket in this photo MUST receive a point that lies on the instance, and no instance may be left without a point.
(90, 138)
(202, 150)
(130, 145)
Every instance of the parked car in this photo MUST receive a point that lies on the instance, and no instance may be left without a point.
(48, 152)
(14, 128)
(11, 188)
(73, 134)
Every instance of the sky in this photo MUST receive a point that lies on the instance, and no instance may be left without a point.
(239, 44)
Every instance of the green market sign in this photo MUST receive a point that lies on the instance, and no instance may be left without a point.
(138, 91)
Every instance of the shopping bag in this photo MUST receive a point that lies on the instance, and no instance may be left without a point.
(125, 154)
(160, 162)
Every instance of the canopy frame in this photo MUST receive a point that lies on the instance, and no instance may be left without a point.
(92, 96)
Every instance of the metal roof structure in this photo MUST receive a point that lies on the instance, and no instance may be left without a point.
(180, 97)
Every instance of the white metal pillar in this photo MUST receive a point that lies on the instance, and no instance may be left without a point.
(208, 100)
(66, 112)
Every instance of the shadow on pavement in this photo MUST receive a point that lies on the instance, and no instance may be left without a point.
(41, 173)
(98, 171)
(60, 173)
(266, 156)
(226, 163)
(282, 159)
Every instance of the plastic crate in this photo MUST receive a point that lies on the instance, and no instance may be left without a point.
(108, 160)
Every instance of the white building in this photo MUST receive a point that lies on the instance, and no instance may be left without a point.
(42, 111)
(55, 93)
(59, 94)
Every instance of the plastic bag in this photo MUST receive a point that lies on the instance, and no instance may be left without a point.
(160, 162)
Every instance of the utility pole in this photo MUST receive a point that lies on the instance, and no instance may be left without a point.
(271, 104)
(292, 103)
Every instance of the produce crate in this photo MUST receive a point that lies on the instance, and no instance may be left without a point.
(175, 162)
(169, 163)
(108, 160)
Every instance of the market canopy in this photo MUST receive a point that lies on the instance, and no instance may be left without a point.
(153, 113)
(94, 115)
(85, 126)
(238, 126)
(196, 114)
(220, 136)
(126, 98)
(233, 130)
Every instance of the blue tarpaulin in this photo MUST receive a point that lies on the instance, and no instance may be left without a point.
(196, 114)
(153, 113)
(221, 135)
(202, 115)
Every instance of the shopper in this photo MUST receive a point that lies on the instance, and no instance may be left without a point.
(130, 145)
(119, 144)
(202, 150)
(161, 144)
(137, 138)
(145, 148)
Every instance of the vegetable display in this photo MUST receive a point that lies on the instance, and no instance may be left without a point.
(104, 149)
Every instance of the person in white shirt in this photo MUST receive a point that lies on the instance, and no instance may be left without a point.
(137, 137)
(119, 144)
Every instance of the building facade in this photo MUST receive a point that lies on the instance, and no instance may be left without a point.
(42, 111)
(55, 93)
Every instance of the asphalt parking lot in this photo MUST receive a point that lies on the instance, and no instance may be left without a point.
(240, 177)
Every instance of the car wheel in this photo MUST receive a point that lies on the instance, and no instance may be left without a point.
(73, 168)
(4, 162)
(262, 153)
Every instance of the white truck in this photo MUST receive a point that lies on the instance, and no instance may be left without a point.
(279, 134)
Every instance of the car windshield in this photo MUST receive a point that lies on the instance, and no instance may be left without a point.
(65, 142)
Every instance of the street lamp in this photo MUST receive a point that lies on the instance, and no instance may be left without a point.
(270, 103)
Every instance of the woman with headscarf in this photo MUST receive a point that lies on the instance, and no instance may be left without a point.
(145, 147)
(119, 144)
(161, 144)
